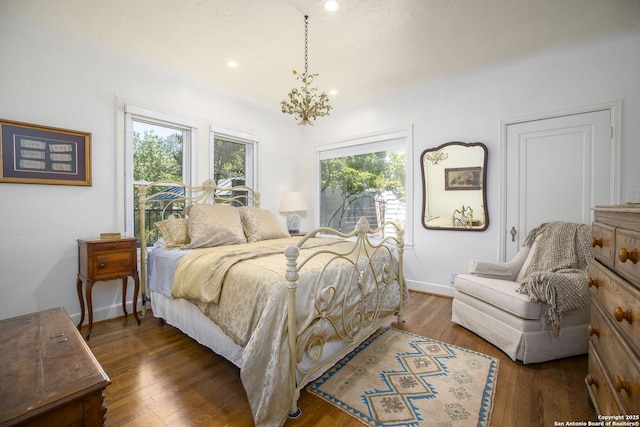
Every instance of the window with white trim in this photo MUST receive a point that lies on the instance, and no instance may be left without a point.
(367, 178)
(233, 158)
(158, 147)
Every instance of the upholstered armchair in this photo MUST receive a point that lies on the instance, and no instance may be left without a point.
(535, 307)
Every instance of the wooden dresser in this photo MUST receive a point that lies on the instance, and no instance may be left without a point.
(48, 375)
(613, 380)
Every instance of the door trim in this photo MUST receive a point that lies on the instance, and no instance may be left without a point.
(615, 109)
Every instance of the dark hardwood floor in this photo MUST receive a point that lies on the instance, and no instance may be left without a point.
(161, 377)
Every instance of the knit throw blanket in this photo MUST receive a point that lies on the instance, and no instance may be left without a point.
(557, 273)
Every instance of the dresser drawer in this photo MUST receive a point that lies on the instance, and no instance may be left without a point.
(599, 329)
(623, 369)
(628, 251)
(619, 300)
(603, 243)
(600, 390)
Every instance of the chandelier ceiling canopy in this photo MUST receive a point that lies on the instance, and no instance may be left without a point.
(306, 103)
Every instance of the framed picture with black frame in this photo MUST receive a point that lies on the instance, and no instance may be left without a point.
(35, 154)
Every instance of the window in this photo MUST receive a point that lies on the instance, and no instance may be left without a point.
(158, 148)
(233, 158)
(364, 178)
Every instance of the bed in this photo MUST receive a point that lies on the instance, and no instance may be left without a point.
(283, 309)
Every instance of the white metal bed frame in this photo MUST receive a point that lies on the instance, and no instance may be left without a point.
(354, 327)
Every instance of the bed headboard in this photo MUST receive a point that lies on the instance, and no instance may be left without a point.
(167, 198)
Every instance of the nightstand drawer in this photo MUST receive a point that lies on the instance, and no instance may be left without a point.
(112, 246)
(117, 264)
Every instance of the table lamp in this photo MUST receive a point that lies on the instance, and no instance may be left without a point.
(293, 202)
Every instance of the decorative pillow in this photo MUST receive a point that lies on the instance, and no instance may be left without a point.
(175, 231)
(261, 224)
(214, 225)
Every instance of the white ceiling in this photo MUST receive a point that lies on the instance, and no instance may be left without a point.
(366, 49)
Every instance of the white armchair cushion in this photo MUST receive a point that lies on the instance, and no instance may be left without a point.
(499, 293)
(491, 269)
(501, 270)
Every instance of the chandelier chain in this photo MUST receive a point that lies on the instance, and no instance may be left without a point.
(306, 102)
(306, 44)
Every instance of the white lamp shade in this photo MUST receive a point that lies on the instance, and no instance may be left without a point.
(293, 201)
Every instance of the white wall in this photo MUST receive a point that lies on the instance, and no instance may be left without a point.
(51, 80)
(471, 108)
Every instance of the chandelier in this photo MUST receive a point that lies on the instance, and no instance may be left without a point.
(436, 157)
(305, 102)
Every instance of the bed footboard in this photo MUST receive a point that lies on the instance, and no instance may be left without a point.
(339, 312)
(374, 291)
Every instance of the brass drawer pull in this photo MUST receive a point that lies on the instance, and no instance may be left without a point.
(593, 282)
(596, 242)
(594, 331)
(625, 255)
(102, 265)
(621, 315)
(619, 384)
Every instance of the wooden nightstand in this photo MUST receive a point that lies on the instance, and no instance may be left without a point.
(107, 259)
(49, 375)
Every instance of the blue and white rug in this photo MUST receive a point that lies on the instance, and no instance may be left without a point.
(396, 378)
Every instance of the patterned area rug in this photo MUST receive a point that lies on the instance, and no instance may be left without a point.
(396, 378)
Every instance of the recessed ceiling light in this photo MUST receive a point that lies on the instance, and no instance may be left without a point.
(333, 92)
(232, 64)
(331, 5)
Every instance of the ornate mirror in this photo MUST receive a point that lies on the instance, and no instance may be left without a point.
(453, 182)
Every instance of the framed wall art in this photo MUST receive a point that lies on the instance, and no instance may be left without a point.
(34, 154)
(469, 178)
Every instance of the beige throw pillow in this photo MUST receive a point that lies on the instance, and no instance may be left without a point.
(261, 224)
(215, 225)
(175, 231)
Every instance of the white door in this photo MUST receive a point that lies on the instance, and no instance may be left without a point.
(557, 169)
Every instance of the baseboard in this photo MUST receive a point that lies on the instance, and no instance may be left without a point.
(431, 288)
(104, 313)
